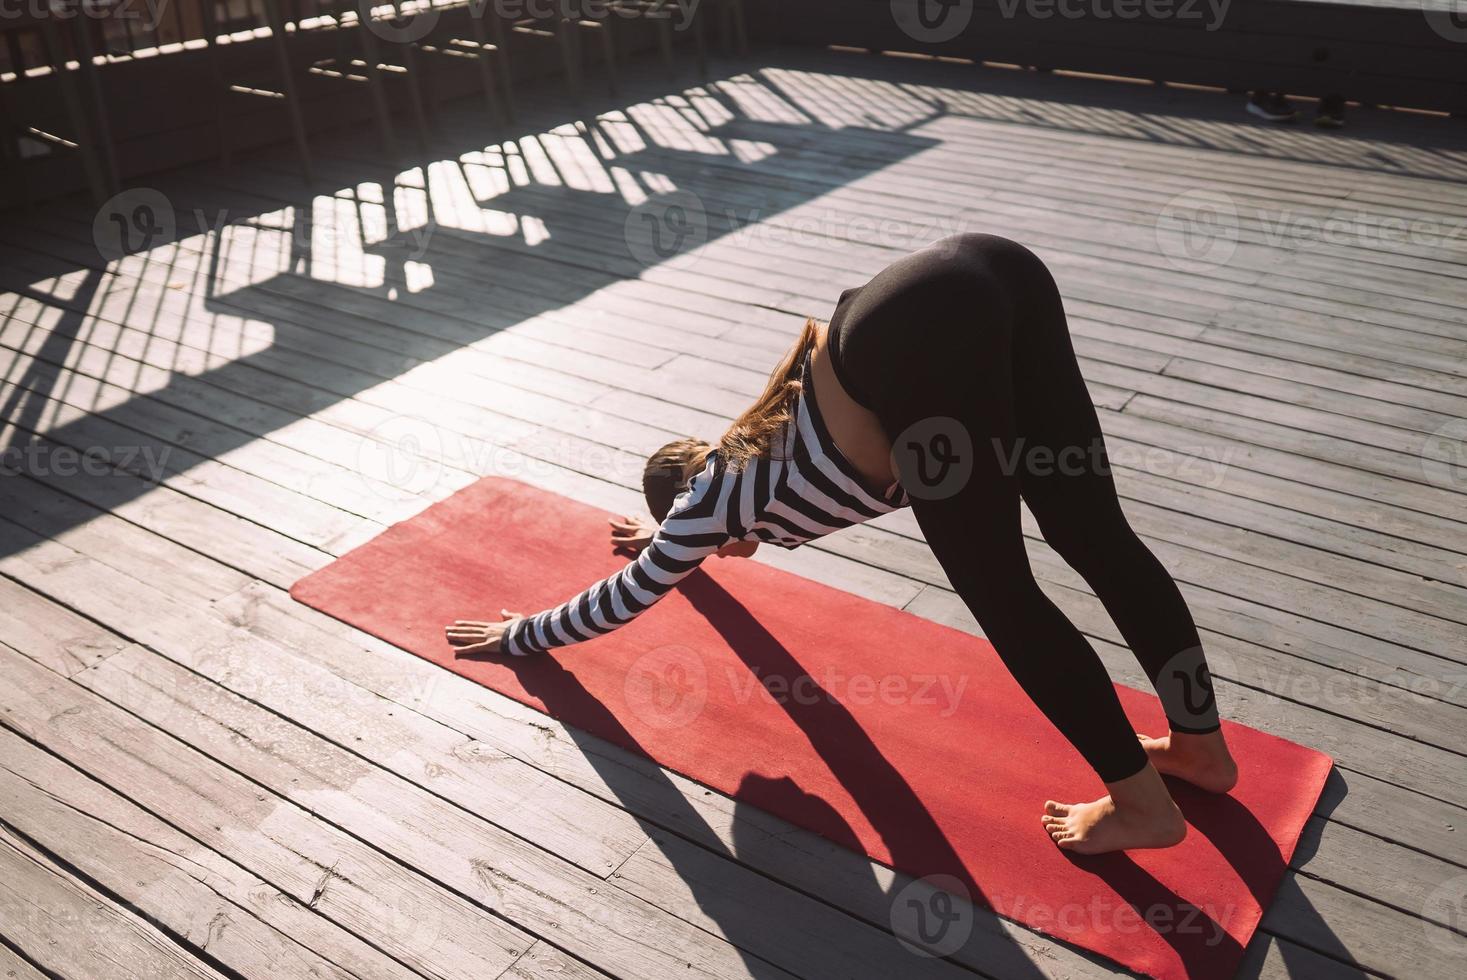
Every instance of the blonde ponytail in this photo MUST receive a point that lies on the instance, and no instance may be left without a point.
(752, 433)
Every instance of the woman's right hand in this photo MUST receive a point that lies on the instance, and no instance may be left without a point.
(474, 636)
(631, 532)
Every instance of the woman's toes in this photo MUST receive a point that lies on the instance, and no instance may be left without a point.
(1056, 809)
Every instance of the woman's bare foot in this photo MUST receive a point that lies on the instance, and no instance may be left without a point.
(1202, 760)
(1138, 813)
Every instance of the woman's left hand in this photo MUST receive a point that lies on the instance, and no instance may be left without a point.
(472, 636)
(631, 532)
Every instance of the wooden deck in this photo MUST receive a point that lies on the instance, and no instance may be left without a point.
(200, 778)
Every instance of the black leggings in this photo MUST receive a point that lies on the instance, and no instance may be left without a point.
(962, 351)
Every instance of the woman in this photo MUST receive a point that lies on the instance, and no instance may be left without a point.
(949, 383)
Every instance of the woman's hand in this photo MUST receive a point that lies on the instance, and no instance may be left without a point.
(471, 636)
(631, 532)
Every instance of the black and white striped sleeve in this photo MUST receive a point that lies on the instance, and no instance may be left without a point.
(696, 527)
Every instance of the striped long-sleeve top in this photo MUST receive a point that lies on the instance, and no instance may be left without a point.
(802, 491)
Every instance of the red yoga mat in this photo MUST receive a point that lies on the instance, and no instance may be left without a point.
(889, 733)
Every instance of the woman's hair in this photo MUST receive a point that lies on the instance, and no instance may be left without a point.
(751, 434)
(663, 479)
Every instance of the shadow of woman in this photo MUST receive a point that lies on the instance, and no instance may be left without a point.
(765, 924)
(1255, 855)
(915, 904)
(1199, 936)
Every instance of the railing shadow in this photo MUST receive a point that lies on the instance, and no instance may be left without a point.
(332, 278)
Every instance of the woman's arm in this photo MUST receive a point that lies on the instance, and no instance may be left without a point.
(694, 529)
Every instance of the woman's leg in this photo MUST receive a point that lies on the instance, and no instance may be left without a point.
(931, 341)
(1065, 479)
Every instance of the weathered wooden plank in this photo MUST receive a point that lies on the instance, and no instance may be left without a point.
(52, 635)
(463, 852)
(228, 487)
(1302, 564)
(212, 907)
(434, 756)
(811, 864)
(544, 962)
(72, 930)
(458, 702)
(13, 967)
(1382, 940)
(410, 917)
(518, 797)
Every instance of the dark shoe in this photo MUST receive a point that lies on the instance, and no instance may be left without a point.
(1272, 106)
(1331, 112)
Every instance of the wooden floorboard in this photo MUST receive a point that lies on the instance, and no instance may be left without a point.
(223, 781)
